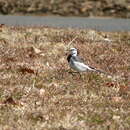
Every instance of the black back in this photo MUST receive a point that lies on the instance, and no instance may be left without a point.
(75, 58)
(78, 59)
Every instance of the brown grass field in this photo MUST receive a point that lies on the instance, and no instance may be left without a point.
(37, 92)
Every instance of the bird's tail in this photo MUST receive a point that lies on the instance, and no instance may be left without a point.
(99, 71)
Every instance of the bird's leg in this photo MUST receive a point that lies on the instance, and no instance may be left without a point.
(73, 73)
(80, 75)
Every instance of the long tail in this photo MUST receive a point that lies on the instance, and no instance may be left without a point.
(99, 71)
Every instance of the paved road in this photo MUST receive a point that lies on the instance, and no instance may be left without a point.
(102, 24)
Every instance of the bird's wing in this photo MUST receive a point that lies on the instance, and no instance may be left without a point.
(78, 59)
(81, 63)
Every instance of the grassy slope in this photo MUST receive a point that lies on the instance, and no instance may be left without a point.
(37, 92)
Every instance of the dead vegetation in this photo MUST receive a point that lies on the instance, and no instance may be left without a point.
(101, 8)
(38, 92)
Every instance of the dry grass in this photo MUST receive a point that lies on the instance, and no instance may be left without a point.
(101, 8)
(37, 92)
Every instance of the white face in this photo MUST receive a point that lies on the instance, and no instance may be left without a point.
(73, 51)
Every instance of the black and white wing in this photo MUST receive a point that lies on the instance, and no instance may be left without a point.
(77, 59)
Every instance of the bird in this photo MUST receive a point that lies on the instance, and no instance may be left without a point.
(77, 64)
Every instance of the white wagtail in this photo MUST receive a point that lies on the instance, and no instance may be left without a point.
(76, 63)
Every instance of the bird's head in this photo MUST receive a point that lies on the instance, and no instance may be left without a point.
(73, 51)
